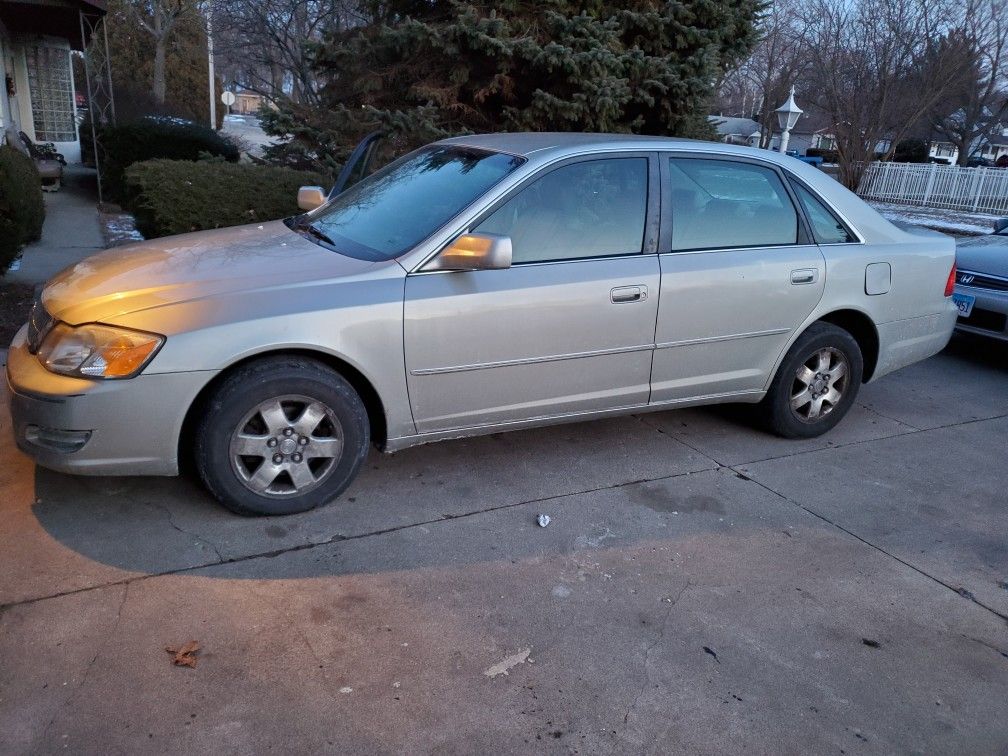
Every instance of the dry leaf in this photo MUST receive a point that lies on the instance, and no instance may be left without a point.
(184, 656)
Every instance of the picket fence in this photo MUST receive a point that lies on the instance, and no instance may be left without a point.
(977, 190)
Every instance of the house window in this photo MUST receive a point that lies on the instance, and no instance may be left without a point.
(50, 85)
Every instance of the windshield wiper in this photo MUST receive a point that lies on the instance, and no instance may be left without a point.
(311, 230)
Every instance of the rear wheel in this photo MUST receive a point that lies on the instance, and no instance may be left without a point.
(281, 435)
(816, 383)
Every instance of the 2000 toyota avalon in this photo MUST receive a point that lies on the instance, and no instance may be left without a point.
(476, 285)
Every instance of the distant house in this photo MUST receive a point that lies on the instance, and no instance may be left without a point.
(813, 131)
(734, 130)
(37, 40)
(991, 149)
(248, 102)
(808, 133)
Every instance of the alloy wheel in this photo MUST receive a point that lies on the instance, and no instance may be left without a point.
(286, 446)
(819, 384)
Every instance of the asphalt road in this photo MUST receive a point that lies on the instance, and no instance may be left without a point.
(247, 130)
(702, 588)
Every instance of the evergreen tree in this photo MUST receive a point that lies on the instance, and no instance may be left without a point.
(425, 70)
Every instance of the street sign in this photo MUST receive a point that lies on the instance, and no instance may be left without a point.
(228, 98)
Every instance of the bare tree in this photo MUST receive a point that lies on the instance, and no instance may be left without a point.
(877, 69)
(158, 19)
(265, 45)
(970, 112)
(780, 59)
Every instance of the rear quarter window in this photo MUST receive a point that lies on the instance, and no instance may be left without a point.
(826, 227)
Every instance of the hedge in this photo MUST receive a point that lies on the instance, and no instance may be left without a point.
(828, 156)
(911, 151)
(156, 137)
(175, 196)
(21, 207)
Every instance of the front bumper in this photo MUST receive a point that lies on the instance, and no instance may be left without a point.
(990, 313)
(128, 427)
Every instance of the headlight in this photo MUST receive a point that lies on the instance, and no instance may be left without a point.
(97, 351)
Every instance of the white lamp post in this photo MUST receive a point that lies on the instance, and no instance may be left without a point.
(787, 117)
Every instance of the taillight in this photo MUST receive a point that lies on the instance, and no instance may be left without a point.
(950, 284)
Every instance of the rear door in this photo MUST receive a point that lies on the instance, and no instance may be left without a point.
(568, 328)
(739, 273)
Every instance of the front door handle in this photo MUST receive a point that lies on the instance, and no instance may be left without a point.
(804, 276)
(625, 294)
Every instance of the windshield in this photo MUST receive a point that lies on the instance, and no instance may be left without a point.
(392, 210)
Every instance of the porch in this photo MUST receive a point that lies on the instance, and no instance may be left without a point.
(40, 96)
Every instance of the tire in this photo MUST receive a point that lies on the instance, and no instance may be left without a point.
(811, 370)
(281, 435)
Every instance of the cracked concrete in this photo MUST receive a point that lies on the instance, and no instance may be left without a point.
(852, 589)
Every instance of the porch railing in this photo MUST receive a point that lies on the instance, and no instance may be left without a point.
(978, 190)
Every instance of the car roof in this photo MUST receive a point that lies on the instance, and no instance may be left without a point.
(555, 144)
(527, 142)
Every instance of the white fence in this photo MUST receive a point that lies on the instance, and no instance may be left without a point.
(983, 190)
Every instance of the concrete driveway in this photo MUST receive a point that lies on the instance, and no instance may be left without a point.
(702, 588)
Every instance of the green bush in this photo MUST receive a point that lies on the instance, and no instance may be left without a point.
(828, 156)
(21, 208)
(911, 151)
(174, 196)
(152, 138)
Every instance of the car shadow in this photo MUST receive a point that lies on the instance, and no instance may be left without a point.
(971, 348)
(117, 524)
(471, 487)
(164, 525)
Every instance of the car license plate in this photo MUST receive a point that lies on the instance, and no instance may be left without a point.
(965, 304)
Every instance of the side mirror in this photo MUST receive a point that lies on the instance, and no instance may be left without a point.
(310, 197)
(474, 252)
(1000, 225)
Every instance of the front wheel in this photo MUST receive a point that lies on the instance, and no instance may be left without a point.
(816, 383)
(281, 435)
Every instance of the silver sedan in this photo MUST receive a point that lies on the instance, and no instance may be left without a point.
(981, 291)
(476, 285)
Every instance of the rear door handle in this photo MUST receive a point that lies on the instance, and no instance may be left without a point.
(804, 276)
(625, 294)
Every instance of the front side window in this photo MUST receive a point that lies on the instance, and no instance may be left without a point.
(389, 212)
(718, 204)
(826, 228)
(595, 208)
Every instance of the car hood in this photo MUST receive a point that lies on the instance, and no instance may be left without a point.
(191, 266)
(984, 254)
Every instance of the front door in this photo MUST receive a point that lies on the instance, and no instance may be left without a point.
(739, 274)
(568, 329)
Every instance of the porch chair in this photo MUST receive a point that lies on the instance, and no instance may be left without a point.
(48, 162)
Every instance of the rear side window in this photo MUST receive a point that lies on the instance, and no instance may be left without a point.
(826, 227)
(595, 208)
(718, 204)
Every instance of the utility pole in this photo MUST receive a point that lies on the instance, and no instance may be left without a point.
(209, 37)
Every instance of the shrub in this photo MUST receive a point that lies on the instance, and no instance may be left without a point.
(21, 207)
(156, 137)
(174, 196)
(828, 156)
(911, 151)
